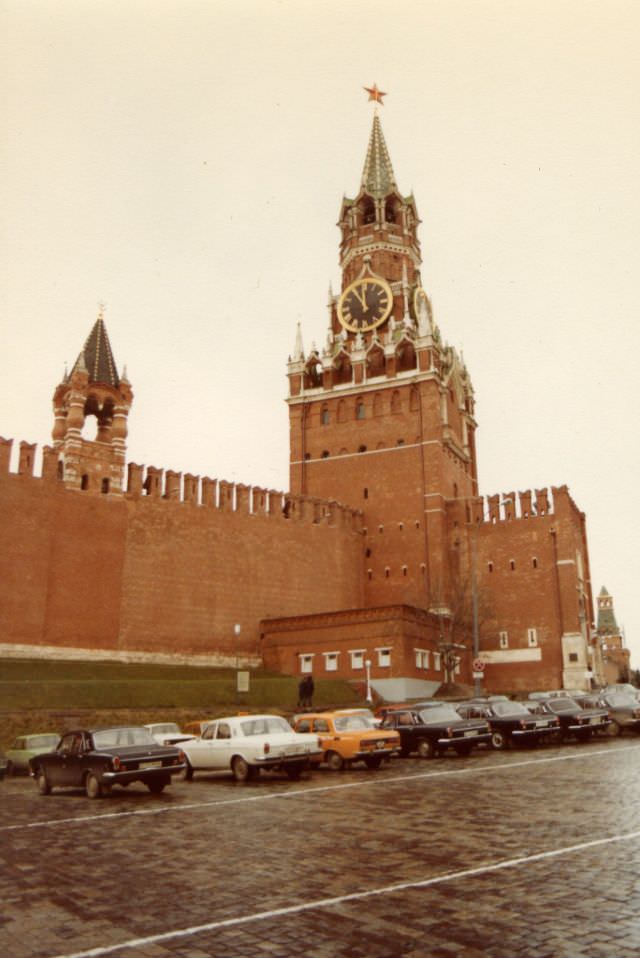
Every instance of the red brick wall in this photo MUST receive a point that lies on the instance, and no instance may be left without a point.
(149, 574)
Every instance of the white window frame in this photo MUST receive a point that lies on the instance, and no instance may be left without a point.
(384, 656)
(331, 661)
(532, 638)
(422, 658)
(306, 662)
(357, 658)
(437, 662)
(504, 640)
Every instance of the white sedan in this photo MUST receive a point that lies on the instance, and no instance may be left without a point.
(247, 743)
(167, 733)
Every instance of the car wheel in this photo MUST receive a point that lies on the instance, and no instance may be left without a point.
(240, 769)
(293, 772)
(613, 729)
(335, 761)
(186, 774)
(426, 748)
(92, 786)
(373, 761)
(157, 786)
(43, 782)
(499, 740)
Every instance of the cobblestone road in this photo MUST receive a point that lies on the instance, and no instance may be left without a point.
(525, 853)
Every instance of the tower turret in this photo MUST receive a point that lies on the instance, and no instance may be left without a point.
(92, 389)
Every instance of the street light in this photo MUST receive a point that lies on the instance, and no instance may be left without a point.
(237, 631)
(367, 665)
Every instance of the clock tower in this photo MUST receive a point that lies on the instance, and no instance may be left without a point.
(382, 417)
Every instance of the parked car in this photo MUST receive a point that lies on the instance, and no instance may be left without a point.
(575, 721)
(98, 759)
(627, 687)
(347, 737)
(25, 747)
(3, 764)
(624, 712)
(511, 723)
(431, 731)
(167, 733)
(245, 744)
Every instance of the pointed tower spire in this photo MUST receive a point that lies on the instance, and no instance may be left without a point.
(377, 176)
(96, 356)
(298, 350)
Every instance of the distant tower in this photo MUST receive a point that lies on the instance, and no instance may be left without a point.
(92, 389)
(614, 655)
(382, 417)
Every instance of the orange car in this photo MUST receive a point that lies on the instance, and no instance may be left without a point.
(348, 737)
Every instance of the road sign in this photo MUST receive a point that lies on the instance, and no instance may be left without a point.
(478, 665)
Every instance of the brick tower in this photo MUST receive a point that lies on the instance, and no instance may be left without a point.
(383, 417)
(92, 389)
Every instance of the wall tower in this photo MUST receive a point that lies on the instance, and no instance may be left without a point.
(382, 418)
(92, 389)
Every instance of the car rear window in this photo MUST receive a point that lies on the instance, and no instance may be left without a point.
(265, 726)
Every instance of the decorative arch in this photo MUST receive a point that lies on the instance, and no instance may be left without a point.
(342, 371)
(313, 372)
(375, 361)
(405, 356)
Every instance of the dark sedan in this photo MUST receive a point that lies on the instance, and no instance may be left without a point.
(98, 759)
(511, 723)
(575, 721)
(624, 712)
(431, 731)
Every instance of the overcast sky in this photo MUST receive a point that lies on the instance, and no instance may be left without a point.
(183, 161)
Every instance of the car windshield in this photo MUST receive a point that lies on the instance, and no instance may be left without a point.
(509, 708)
(620, 700)
(110, 737)
(439, 713)
(43, 741)
(562, 705)
(264, 726)
(345, 723)
(168, 728)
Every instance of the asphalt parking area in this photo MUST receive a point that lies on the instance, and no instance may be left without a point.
(521, 853)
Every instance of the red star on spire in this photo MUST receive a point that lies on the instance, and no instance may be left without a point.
(374, 93)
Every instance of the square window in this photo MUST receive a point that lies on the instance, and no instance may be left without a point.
(306, 663)
(357, 659)
(331, 661)
(384, 658)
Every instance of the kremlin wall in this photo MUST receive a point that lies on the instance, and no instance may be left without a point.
(383, 560)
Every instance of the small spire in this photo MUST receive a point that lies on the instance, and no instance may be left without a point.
(123, 378)
(298, 350)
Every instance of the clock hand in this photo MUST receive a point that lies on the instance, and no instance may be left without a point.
(361, 297)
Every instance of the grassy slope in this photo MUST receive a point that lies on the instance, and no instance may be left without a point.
(39, 696)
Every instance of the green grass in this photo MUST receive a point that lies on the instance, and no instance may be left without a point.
(37, 695)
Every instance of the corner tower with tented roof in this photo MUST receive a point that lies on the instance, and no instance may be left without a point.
(382, 416)
(92, 390)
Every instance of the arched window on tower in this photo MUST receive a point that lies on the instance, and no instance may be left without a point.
(406, 357)
(60, 469)
(84, 482)
(390, 211)
(313, 373)
(104, 487)
(342, 369)
(324, 416)
(375, 362)
(360, 410)
(368, 210)
(395, 401)
(414, 399)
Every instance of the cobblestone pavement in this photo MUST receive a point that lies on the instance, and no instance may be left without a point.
(525, 853)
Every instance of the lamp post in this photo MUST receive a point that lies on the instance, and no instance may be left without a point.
(237, 630)
(367, 665)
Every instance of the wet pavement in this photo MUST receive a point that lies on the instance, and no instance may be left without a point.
(523, 853)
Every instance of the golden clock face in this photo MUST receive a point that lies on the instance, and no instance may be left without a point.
(365, 304)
